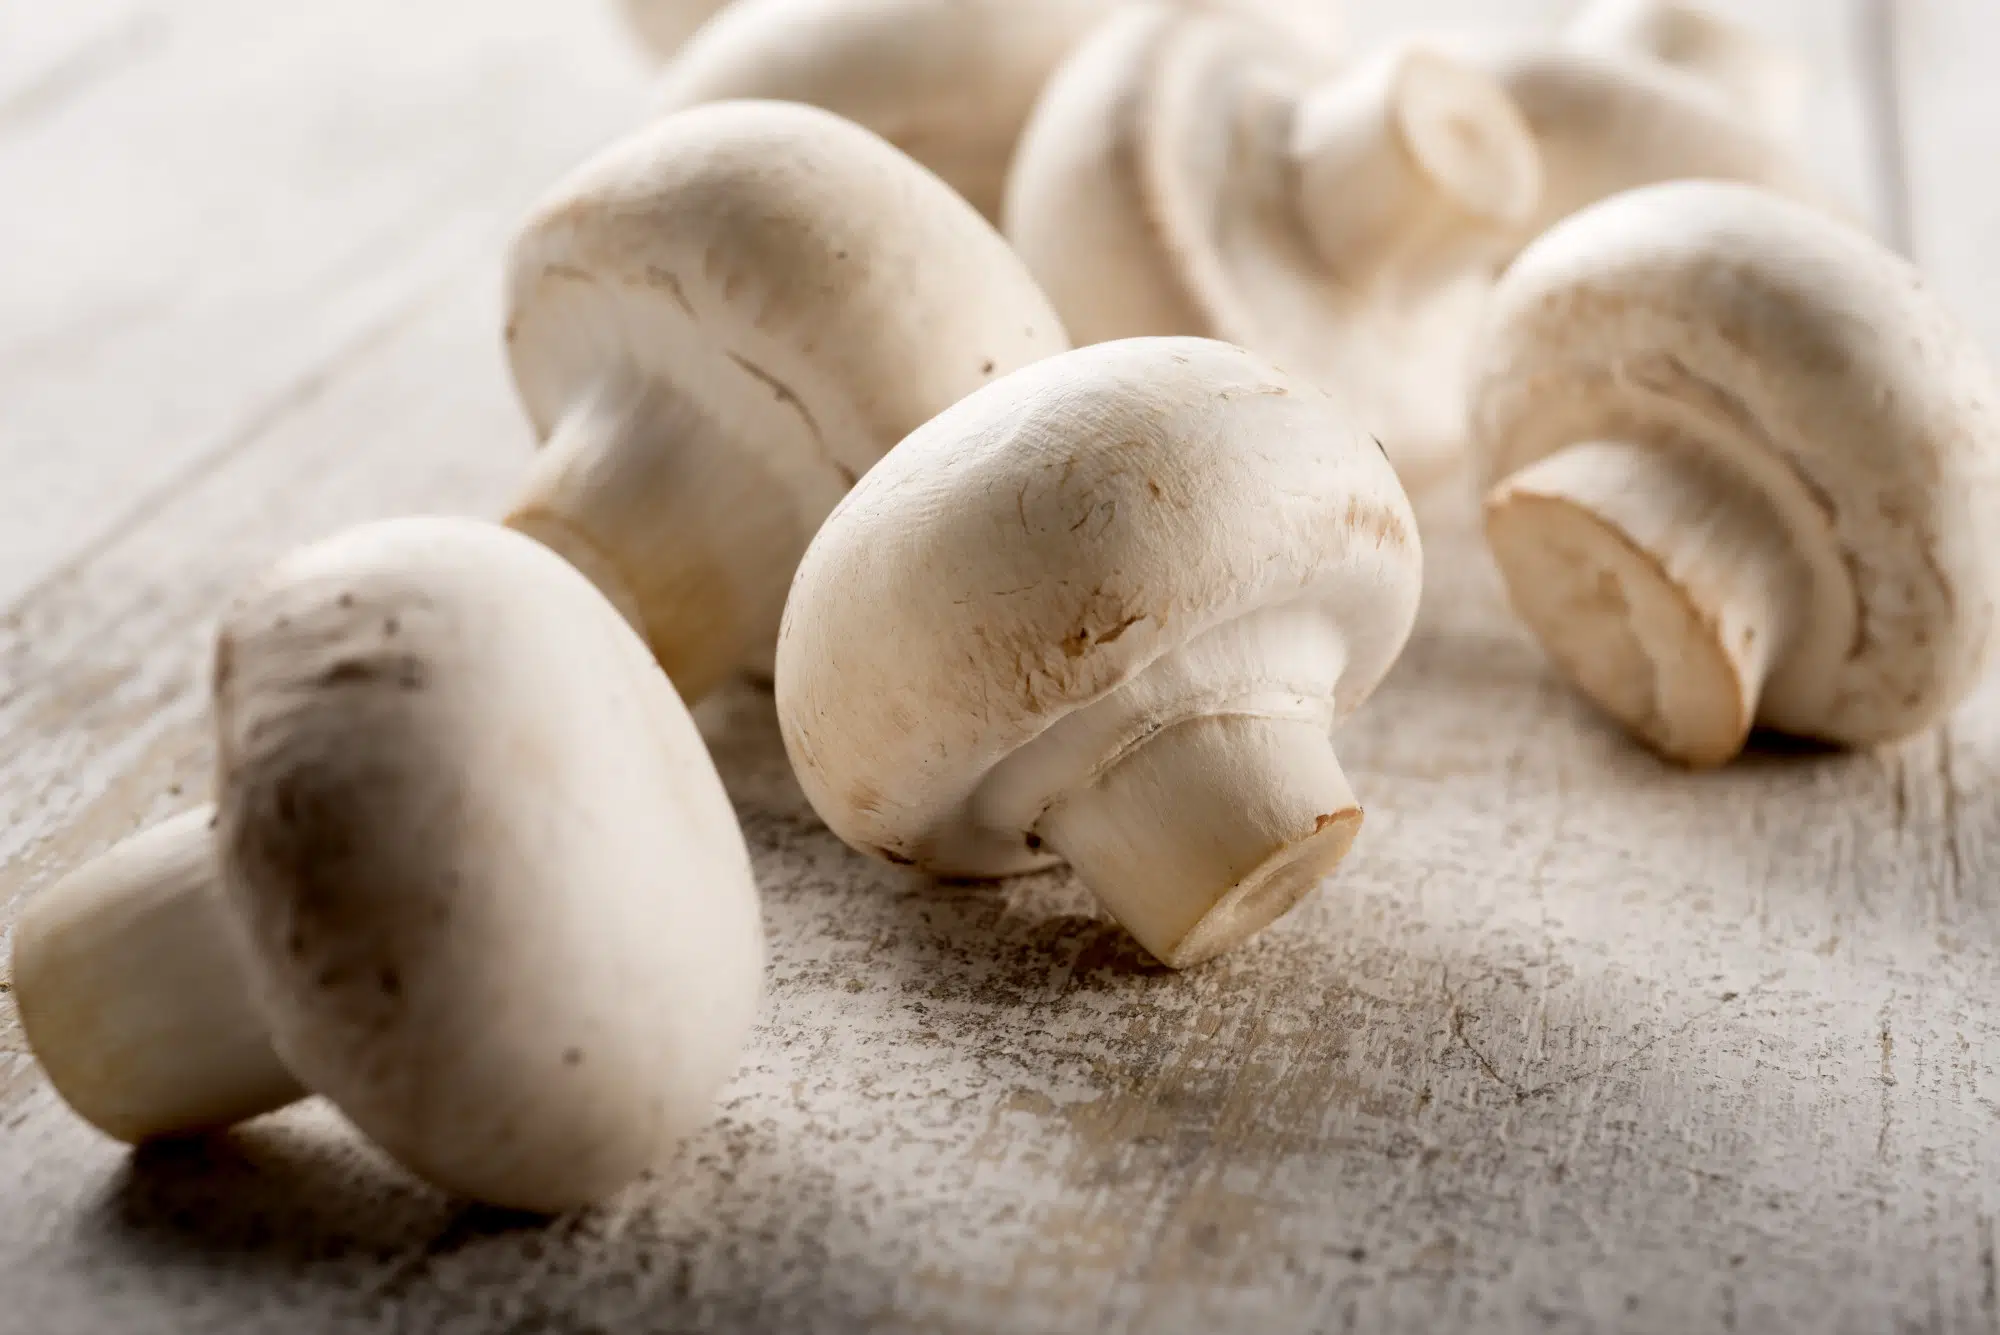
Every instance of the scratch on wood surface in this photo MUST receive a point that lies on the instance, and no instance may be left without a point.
(1617, 1063)
(1989, 1274)
(1949, 835)
(1888, 1080)
(83, 69)
(1458, 1014)
(1523, 1094)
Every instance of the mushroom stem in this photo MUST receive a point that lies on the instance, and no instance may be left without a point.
(132, 998)
(1414, 165)
(1208, 830)
(1661, 582)
(678, 526)
(1752, 74)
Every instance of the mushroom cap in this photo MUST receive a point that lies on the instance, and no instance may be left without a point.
(791, 281)
(1048, 540)
(663, 25)
(1816, 365)
(491, 894)
(1607, 124)
(1736, 63)
(947, 81)
(1155, 193)
(950, 82)
(754, 253)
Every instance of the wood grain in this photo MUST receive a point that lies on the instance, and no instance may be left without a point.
(1572, 1042)
(212, 205)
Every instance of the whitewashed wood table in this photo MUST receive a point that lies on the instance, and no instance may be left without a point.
(1573, 1041)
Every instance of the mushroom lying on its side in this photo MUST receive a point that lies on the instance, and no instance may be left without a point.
(718, 324)
(1109, 609)
(1610, 114)
(950, 82)
(1183, 175)
(1743, 469)
(664, 25)
(479, 883)
(1746, 71)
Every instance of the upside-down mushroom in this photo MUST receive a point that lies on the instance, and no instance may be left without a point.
(950, 82)
(1185, 174)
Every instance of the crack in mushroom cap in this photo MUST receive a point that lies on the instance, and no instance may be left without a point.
(1815, 364)
(1155, 193)
(1048, 540)
(782, 269)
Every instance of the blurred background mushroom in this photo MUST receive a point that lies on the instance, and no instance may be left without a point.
(950, 82)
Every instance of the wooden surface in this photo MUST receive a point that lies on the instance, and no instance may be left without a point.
(1572, 1042)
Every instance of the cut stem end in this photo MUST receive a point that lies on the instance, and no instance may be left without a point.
(1208, 831)
(1414, 166)
(1663, 585)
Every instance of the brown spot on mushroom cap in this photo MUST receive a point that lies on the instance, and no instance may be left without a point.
(1382, 526)
(1082, 638)
(865, 798)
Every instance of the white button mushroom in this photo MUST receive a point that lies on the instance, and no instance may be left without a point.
(1109, 609)
(1611, 116)
(132, 999)
(1183, 175)
(1744, 469)
(492, 896)
(663, 25)
(720, 323)
(950, 82)
(1747, 71)
(478, 884)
